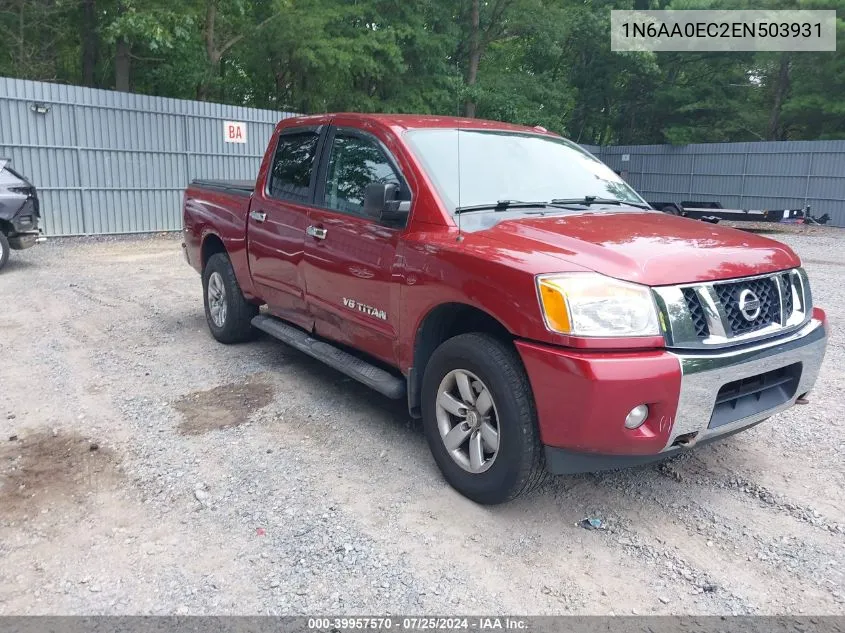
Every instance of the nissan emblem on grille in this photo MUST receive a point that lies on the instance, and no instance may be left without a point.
(733, 311)
(749, 305)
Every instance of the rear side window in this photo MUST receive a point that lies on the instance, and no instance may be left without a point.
(293, 164)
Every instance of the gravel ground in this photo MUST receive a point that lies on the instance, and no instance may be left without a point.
(144, 468)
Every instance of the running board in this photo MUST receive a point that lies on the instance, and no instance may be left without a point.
(374, 377)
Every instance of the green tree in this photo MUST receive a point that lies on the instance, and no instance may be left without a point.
(536, 62)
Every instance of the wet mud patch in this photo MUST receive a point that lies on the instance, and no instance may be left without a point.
(222, 407)
(41, 469)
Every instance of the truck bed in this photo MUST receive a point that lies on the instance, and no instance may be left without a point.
(221, 204)
(234, 187)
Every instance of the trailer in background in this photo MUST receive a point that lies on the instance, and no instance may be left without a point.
(713, 212)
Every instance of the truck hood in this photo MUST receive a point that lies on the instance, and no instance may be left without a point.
(646, 247)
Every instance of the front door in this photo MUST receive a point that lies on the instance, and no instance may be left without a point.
(350, 259)
(277, 223)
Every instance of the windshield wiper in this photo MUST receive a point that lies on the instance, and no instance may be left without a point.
(501, 205)
(590, 200)
(557, 203)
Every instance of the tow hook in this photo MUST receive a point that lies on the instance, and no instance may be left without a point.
(687, 440)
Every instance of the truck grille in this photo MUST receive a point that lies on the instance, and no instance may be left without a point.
(724, 313)
(765, 289)
(699, 321)
(786, 283)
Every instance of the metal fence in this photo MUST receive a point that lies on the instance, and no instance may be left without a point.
(764, 175)
(112, 162)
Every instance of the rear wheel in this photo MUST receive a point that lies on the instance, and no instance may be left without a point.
(4, 249)
(228, 314)
(479, 419)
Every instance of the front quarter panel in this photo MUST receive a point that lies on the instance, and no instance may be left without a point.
(440, 269)
(495, 277)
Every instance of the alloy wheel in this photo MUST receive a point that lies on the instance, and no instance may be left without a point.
(217, 299)
(467, 421)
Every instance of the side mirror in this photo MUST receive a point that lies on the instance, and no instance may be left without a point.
(380, 203)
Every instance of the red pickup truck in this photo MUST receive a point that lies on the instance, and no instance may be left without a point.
(537, 314)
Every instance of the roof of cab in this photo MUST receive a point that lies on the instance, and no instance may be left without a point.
(414, 121)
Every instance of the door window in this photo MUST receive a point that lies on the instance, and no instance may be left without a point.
(354, 163)
(293, 164)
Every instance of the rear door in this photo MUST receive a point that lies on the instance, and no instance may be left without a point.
(350, 259)
(277, 222)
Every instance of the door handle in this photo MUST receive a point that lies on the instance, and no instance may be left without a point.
(258, 216)
(316, 232)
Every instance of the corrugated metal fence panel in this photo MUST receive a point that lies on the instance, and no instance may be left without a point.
(764, 175)
(110, 162)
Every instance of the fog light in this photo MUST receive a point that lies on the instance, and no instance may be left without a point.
(636, 417)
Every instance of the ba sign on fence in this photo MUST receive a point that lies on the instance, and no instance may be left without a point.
(234, 131)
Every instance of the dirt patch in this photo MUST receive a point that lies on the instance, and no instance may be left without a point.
(222, 407)
(41, 469)
(337, 506)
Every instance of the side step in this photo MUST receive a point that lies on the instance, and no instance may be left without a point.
(374, 377)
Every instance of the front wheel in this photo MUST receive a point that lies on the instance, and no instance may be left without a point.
(479, 419)
(228, 314)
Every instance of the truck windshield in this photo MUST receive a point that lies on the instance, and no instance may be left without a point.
(488, 166)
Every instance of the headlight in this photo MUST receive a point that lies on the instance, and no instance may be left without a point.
(589, 304)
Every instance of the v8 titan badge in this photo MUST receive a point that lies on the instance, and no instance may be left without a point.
(354, 304)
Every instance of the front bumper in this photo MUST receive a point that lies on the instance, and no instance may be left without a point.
(703, 375)
(582, 398)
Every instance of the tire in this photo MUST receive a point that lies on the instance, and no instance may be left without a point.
(4, 249)
(672, 209)
(227, 312)
(518, 465)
